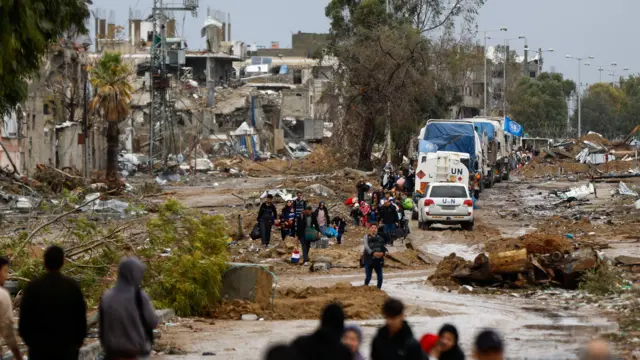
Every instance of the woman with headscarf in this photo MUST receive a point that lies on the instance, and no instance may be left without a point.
(352, 339)
(321, 216)
(448, 343)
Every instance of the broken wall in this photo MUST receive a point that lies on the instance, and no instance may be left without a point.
(295, 103)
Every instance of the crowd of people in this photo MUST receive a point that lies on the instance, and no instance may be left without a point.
(395, 340)
(53, 314)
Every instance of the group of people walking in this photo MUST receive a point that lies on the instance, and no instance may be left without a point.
(53, 313)
(299, 220)
(334, 340)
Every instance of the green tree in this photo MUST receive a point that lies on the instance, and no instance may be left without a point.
(603, 110)
(384, 69)
(27, 28)
(540, 105)
(112, 94)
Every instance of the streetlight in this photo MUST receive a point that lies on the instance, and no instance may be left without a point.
(601, 68)
(504, 72)
(503, 28)
(579, 59)
(539, 52)
(613, 74)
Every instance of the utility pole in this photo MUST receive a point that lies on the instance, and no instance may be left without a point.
(160, 113)
(85, 124)
(504, 79)
(484, 51)
(388, 130)
(525, 66)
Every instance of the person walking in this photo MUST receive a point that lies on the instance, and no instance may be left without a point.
(7, 331)
(53, 313)
(126, 315)
(321, 216)
(362, 188)
(373, 255)
(356, 215)
(299, 203)
(352, 339)
(448, 343)
(488, 346)
(266, 216)
(389, 216)
(287, 216)
(341, 226)
(326, 342)
(306, 230)
(395, 340)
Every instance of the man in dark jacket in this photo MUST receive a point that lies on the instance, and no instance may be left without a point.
(307, 231)
(325, 343)
(299, 203)
(395, 340)
(341, 227)
(362, 188)
(126, 315)
(266, 217)
(53, 314)
(373, 255)
(389, 216)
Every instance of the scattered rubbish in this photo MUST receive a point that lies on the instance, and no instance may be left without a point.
(109, 206)
(569, 236)
(23, 205)
(623, 189)
(202, 164)
(161, 182)
(249, 317)
(208, 353)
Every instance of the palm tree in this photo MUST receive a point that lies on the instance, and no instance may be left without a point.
(112, 94)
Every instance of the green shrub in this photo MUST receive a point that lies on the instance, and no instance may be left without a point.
(190, 278)
(603, 280)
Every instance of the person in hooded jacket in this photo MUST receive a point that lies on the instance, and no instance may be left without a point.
(126, 315)
(395, 340)
(352, 339)
(326, 342)
(287, 216)
(448, 343)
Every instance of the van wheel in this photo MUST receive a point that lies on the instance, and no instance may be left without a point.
(414, 215)
(468, 226)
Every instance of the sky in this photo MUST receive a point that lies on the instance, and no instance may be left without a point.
(606, 30)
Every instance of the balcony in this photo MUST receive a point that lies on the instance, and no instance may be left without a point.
(472, 101)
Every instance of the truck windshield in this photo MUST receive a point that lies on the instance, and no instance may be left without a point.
(448, 191)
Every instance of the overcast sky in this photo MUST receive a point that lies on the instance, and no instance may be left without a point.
(606, 30)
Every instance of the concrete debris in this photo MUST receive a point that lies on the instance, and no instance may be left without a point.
(128, 162)
(624, 190)
(637, 205)
(319, 189)
(23, 204)
(202, 164)
(109, 206)
(249, 317)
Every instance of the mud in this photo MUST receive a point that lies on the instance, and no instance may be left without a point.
(445, 270)
(359, 302)
(535, 243)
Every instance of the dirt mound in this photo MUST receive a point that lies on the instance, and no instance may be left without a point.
(541, 168)
(535, 243)
(446, 268)
(359, 302)
(596, 139)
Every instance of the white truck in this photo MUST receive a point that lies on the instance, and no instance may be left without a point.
(439, 166)
(497, 150)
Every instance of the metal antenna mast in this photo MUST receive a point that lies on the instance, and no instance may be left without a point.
(161, 115)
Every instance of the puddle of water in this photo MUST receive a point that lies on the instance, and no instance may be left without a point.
(442, 250)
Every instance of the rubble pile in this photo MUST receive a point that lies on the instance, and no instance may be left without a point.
(534, 243)
(359, 303)
(444, 275)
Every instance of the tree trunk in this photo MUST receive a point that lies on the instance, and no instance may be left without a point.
(366, 144)
(113, 143)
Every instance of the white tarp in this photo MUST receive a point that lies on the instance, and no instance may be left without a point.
(595, 159)
(202, 164)
(623, 189)
(638, 204)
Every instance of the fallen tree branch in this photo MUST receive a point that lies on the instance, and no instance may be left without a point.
(86, 265)
(39, 228)
(15, 168)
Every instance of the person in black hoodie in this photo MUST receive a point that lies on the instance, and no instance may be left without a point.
(395, 340)
(266, 217)
(448, 343)
(326, 342)
(373, 255)
(53, 314)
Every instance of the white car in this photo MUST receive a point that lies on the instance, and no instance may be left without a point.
(446, 203)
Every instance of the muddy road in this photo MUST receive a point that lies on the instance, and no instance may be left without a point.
(531, 327)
